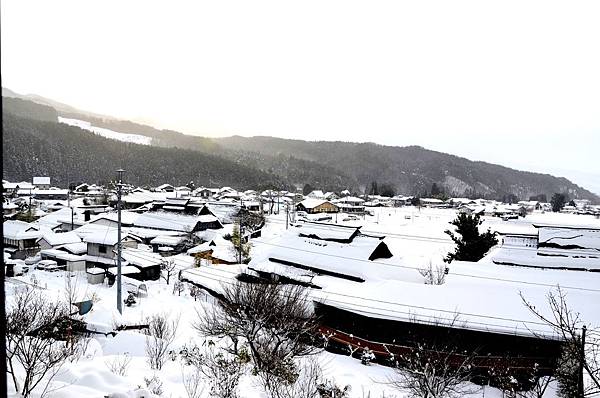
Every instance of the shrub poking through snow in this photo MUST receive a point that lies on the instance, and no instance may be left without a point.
(434, 275)
(119, 364)
(366, 356)
(130, 300)
(161, 333)
(222, 369)
(154, 384)
(328, 389)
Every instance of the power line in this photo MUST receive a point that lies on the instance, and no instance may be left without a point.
(413, 316)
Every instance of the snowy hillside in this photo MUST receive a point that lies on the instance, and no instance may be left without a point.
(113, 135)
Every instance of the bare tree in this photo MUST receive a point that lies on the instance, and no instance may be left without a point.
(275, 322)
(434, 372)
(167, 268)
(161, 334)
(579, 356)
(36, 331)
(178, 287)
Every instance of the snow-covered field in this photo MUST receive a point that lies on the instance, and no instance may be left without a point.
(113, 135)
(415, 237)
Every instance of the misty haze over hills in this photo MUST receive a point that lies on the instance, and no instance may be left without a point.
(36, 144)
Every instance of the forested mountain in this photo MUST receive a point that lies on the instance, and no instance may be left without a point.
(413, 169)
(251, 162)
(65, 153)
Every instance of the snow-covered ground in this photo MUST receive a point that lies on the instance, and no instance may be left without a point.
(415, 237)
(113, 135)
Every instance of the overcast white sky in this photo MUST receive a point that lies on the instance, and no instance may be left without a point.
(515, 83)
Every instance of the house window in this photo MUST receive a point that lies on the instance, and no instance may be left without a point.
(102, 249)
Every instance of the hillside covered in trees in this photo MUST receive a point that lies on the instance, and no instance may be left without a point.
(249, 162)
(70, 154)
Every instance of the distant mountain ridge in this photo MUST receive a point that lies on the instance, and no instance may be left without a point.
(333, 165)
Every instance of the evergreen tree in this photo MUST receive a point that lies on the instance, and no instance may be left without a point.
(471, 245)
(387, 190)
(240, 248)
(558, 201)
(307, 189)
(374, 190)
(435, 190)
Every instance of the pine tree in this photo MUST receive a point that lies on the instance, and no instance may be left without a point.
(558, 201)
(471, 245)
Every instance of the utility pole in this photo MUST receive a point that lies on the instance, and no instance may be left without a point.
(119, 248)
(287, 215)
(69, 205)
(240, 238)
(581, 361)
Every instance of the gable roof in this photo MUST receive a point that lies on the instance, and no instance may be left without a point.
(56, 239)
(311, 203)
(109, 237)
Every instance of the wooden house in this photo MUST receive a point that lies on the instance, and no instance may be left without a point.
(22, 237)
(312, 206)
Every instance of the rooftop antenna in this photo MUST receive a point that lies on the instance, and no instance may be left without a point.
(119, 248)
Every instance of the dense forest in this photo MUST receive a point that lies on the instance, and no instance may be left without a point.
(253, 162)
(69, 154)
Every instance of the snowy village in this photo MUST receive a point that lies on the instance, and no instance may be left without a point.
(315, 199)
(367, 277)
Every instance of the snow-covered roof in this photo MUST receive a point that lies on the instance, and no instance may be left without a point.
(212, 276)
(142, 258)
(351, 259)
(127, 217)
(326, 231)
(580, 241)
(95, 271)
(56, 239)
(316, 194)
(74, 248)
(41, 181)
(350, 199)
(210, 245)
(125, 270)
(62, 255)
(21, 185)
(177, 201)
(310, 203)
(167, 240)
(102, 260)
(147, 233)
(20, 230)
(109, 237)
(167, 221)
